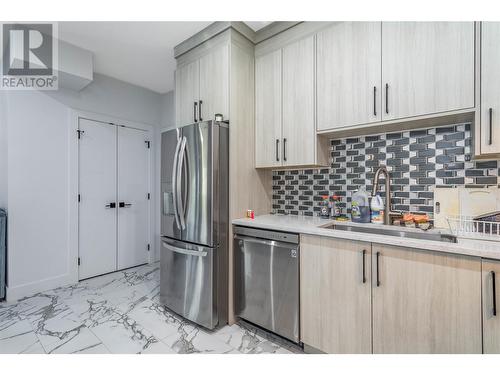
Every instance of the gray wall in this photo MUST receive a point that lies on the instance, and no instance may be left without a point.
(3, 150)
(167, 115)
(116, 98)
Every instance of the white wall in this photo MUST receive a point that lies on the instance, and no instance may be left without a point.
(38, 170)
(37, 193)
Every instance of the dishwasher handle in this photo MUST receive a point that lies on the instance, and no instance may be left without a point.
(266, 242)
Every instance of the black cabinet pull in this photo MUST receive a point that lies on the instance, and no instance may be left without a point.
(194, 111)
(284, 149)
(494, 291)
(364, 274)
(374, 100)
(111, 205)
(123, 204)
(378, 278)
(387, 98)
(277, 150)
(199, 110)
(490, 111)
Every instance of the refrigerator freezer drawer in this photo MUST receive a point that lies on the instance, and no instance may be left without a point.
(187, 281)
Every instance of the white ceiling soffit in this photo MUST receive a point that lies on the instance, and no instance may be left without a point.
(141, 53)
(257, 25)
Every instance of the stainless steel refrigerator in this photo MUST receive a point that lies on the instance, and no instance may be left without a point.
(194, 222)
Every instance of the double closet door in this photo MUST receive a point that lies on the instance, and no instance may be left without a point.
(114, 198)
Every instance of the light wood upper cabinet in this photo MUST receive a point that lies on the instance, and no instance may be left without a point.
(285, 128)
(425, 302)
(214, 84)
(490, 88)
(491, 314)
(427, 68)
(335, 291)
(187, 88)
(349, 74)
(299, 130)
(268, 110)
(202, 87)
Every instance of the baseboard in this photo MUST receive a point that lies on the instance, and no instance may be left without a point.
(25, 290)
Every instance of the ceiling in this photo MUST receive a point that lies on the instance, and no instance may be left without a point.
(257, 25)
(141, 53)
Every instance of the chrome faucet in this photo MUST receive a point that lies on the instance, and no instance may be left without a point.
(387, 209)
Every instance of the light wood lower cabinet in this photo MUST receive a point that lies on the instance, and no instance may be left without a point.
(335, 295)
(491, 314)
(425, 302)
(413, 301)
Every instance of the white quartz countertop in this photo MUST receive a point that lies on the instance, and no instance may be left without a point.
(314, 225)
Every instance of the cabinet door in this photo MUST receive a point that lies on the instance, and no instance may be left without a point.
(268, 110)
(335, 306)
(299, 128)
(491, 313)
(490, 87)
(214, 84)
(349, 74)
(187, 81)
(427, 67)
(425, 302)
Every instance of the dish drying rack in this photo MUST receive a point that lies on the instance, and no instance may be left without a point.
(474, 228)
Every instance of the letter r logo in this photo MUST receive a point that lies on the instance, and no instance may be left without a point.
(28, 49)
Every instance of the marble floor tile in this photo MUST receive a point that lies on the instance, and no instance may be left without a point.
(93, 349)
(245, 340)
(154, 317)
(116, 313)
(17, 336)
(196, 340)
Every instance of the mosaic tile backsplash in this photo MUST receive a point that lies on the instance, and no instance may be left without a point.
(419, 161)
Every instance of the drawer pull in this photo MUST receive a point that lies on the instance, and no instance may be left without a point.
(494, 292)
(364, 271)
(378, 278)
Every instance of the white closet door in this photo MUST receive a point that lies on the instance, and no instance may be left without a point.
(97, 187)
(133, 189)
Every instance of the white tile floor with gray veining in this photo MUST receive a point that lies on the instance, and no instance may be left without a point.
(115, 313)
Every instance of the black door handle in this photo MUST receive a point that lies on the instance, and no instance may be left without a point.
(387, 98)
(378, 278)
(277, 150)
(199, 110)
(284, 149)
(123, 204)
(364, 275)
(194, 111)
(374, 100)
(111, 205)
(490, 111)
(494, 291)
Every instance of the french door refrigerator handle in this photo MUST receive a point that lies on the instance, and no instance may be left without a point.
(174, 183)
(184, 251)
(180, 206)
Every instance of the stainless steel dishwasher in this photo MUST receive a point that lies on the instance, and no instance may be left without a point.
(267, 280)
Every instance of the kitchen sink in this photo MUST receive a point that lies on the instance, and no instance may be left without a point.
(395, 232)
